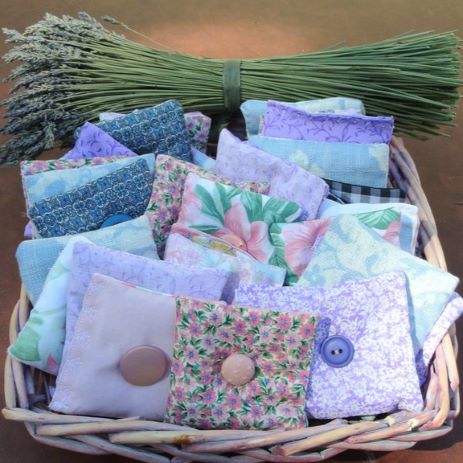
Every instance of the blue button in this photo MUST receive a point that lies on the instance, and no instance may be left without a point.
(115, 219)
(337, 351)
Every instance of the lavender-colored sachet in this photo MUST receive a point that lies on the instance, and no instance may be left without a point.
(284, 121)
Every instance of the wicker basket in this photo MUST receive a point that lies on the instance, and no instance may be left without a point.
(27, 396)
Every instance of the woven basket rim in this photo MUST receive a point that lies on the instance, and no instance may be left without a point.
(26, 396)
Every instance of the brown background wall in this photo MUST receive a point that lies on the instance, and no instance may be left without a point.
(251, 28)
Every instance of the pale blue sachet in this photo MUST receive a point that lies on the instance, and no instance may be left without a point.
(36, 257)
(350, 251)
(356, 163)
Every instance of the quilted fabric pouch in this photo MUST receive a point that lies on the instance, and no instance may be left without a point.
(166, 196)
(158, 130)
(157, 275)
(95, 142)
(242, 218)
(284, 121)
(125, 191)
(119, 359)
(40, 342)
(36, 257)
(239, 161)
(254, 110)
(350, 250)
(356, 163)
(277, 350)
(182, 250)
(364, 364)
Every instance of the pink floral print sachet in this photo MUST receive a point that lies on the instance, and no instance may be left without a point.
(284, 121)
(279, 346)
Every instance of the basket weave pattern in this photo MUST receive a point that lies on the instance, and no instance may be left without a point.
(27, 396)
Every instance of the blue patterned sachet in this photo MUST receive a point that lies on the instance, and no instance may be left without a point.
(36, 257)
(124, 191)
(159, 130)
(350, 251)
(357, 163)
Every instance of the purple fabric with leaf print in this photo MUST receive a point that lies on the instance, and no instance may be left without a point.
(94, 142)
(239, 162)
(285, 121)
(373, 314)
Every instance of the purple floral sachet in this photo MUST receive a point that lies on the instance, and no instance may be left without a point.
(285, 121)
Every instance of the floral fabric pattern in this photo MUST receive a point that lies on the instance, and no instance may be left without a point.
(125, 191)
(166, 197)
(286, 121)
(280, 344)
(373, 315)
(242, 218)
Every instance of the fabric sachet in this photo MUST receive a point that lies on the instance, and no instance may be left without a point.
(349, 250)
(158, 130)
(36, 257)
(202, 160)
(277, 346)
(247, 270)
(239, 161)
(124, 191)
(364, 364)
(122, 330)
(284, 121)
(95, 142)
(40, 342)
(166, 196)
(348, 193)
(356, 163)
(254, 110)
(157, 275)
(242, 218)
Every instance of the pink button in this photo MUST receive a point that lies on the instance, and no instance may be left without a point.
(238, 369)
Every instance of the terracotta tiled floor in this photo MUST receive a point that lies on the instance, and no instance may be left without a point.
(249, 29)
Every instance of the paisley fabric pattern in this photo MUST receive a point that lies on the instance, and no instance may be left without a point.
(182, 250)
(286, 121)
(373, 315)
(240, 217)
(280, 344)
(158, 130)
(125, 191)
(356, 163)
(36, 257)
(166, 196)
(349, 250)
(40, 342)
(157, 275)
(95, 142)
(239, 161)
(254, 110)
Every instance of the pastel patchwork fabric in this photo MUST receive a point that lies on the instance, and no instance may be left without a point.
(158, 130)
(254, 110)
(397, 223)
(242, 218)
(349, 250)
(36, 257)
(116, 318)
(240, 161)
(157, 275)
(280, 346)
(356, 163)
(166, 196)
(286, 121)
(369, 319)
(95, 142)
(348, 193)
(182, 250)
(198, 126)
(40, 342)
(125, 191)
